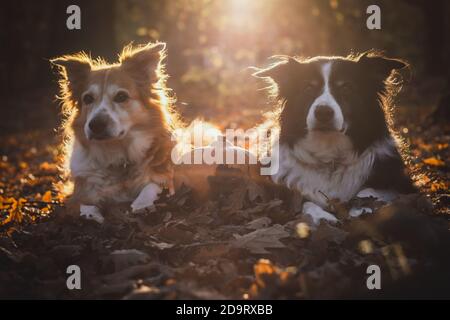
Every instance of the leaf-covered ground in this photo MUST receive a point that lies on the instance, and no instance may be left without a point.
(243, 242)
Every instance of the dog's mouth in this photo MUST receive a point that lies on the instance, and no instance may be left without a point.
(328, 127)
(325, 126)
(105, 136)
(99, 137)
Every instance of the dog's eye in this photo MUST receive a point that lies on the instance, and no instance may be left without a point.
(121, 97)
(345, 87)
(88, 98)
(310, 87)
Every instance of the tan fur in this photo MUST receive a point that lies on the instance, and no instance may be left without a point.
(116, 170)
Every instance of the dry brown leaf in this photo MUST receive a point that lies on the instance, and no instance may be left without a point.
(160, 245)
(437, 186)
(327, 232)
(259, 223)
(260, 240)
(47, 197)
(263, 267)
(255, 191)
(129, 257)
(433, 161)
(339, 209)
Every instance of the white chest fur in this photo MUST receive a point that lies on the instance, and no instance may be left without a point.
(113, 171)
(324, 166)
(85, 162)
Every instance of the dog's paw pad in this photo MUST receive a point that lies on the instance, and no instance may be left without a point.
(317, 213)
(91, 213)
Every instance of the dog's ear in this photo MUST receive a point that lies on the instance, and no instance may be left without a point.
(73, 67)
(144, 62)
(278, 71)
(380, 66)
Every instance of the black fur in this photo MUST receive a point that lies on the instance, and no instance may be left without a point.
(390, 174)
(362, 87)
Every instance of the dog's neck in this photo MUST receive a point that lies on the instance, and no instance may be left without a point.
(324, 149)
(121, 154)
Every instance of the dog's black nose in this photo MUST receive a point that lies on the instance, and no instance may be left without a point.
(324, 113)
(98, 125)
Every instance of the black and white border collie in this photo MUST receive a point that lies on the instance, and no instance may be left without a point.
(334, 129)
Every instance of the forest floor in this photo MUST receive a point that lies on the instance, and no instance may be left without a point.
(242, 243)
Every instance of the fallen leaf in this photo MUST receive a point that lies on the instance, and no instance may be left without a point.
(48, 167)
(160, 245)
(260, 240)
(259, 223)
(124, 258)
(338, 208)
(212, 251)
(437, 186)
(263, 267)
(433, 161)
(47, 197)
(329, 233)
(144, 293)
(255, 191)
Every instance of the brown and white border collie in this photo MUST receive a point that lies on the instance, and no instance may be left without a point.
(334, 120)
(118, 128)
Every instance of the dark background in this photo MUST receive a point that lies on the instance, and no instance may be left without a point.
(211, 44)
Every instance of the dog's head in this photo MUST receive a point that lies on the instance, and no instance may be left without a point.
(332, 95)
(111, 99)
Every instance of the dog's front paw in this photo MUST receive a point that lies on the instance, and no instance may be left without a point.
(91, 213)
(382, 195)
(377, 195)
(317, 213)
(357, 211)
(146, 198)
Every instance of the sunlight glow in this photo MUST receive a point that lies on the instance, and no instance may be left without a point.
(241, 13)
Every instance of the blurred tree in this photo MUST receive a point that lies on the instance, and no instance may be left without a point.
(437, 49)
(36, 31)
(436, 34)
